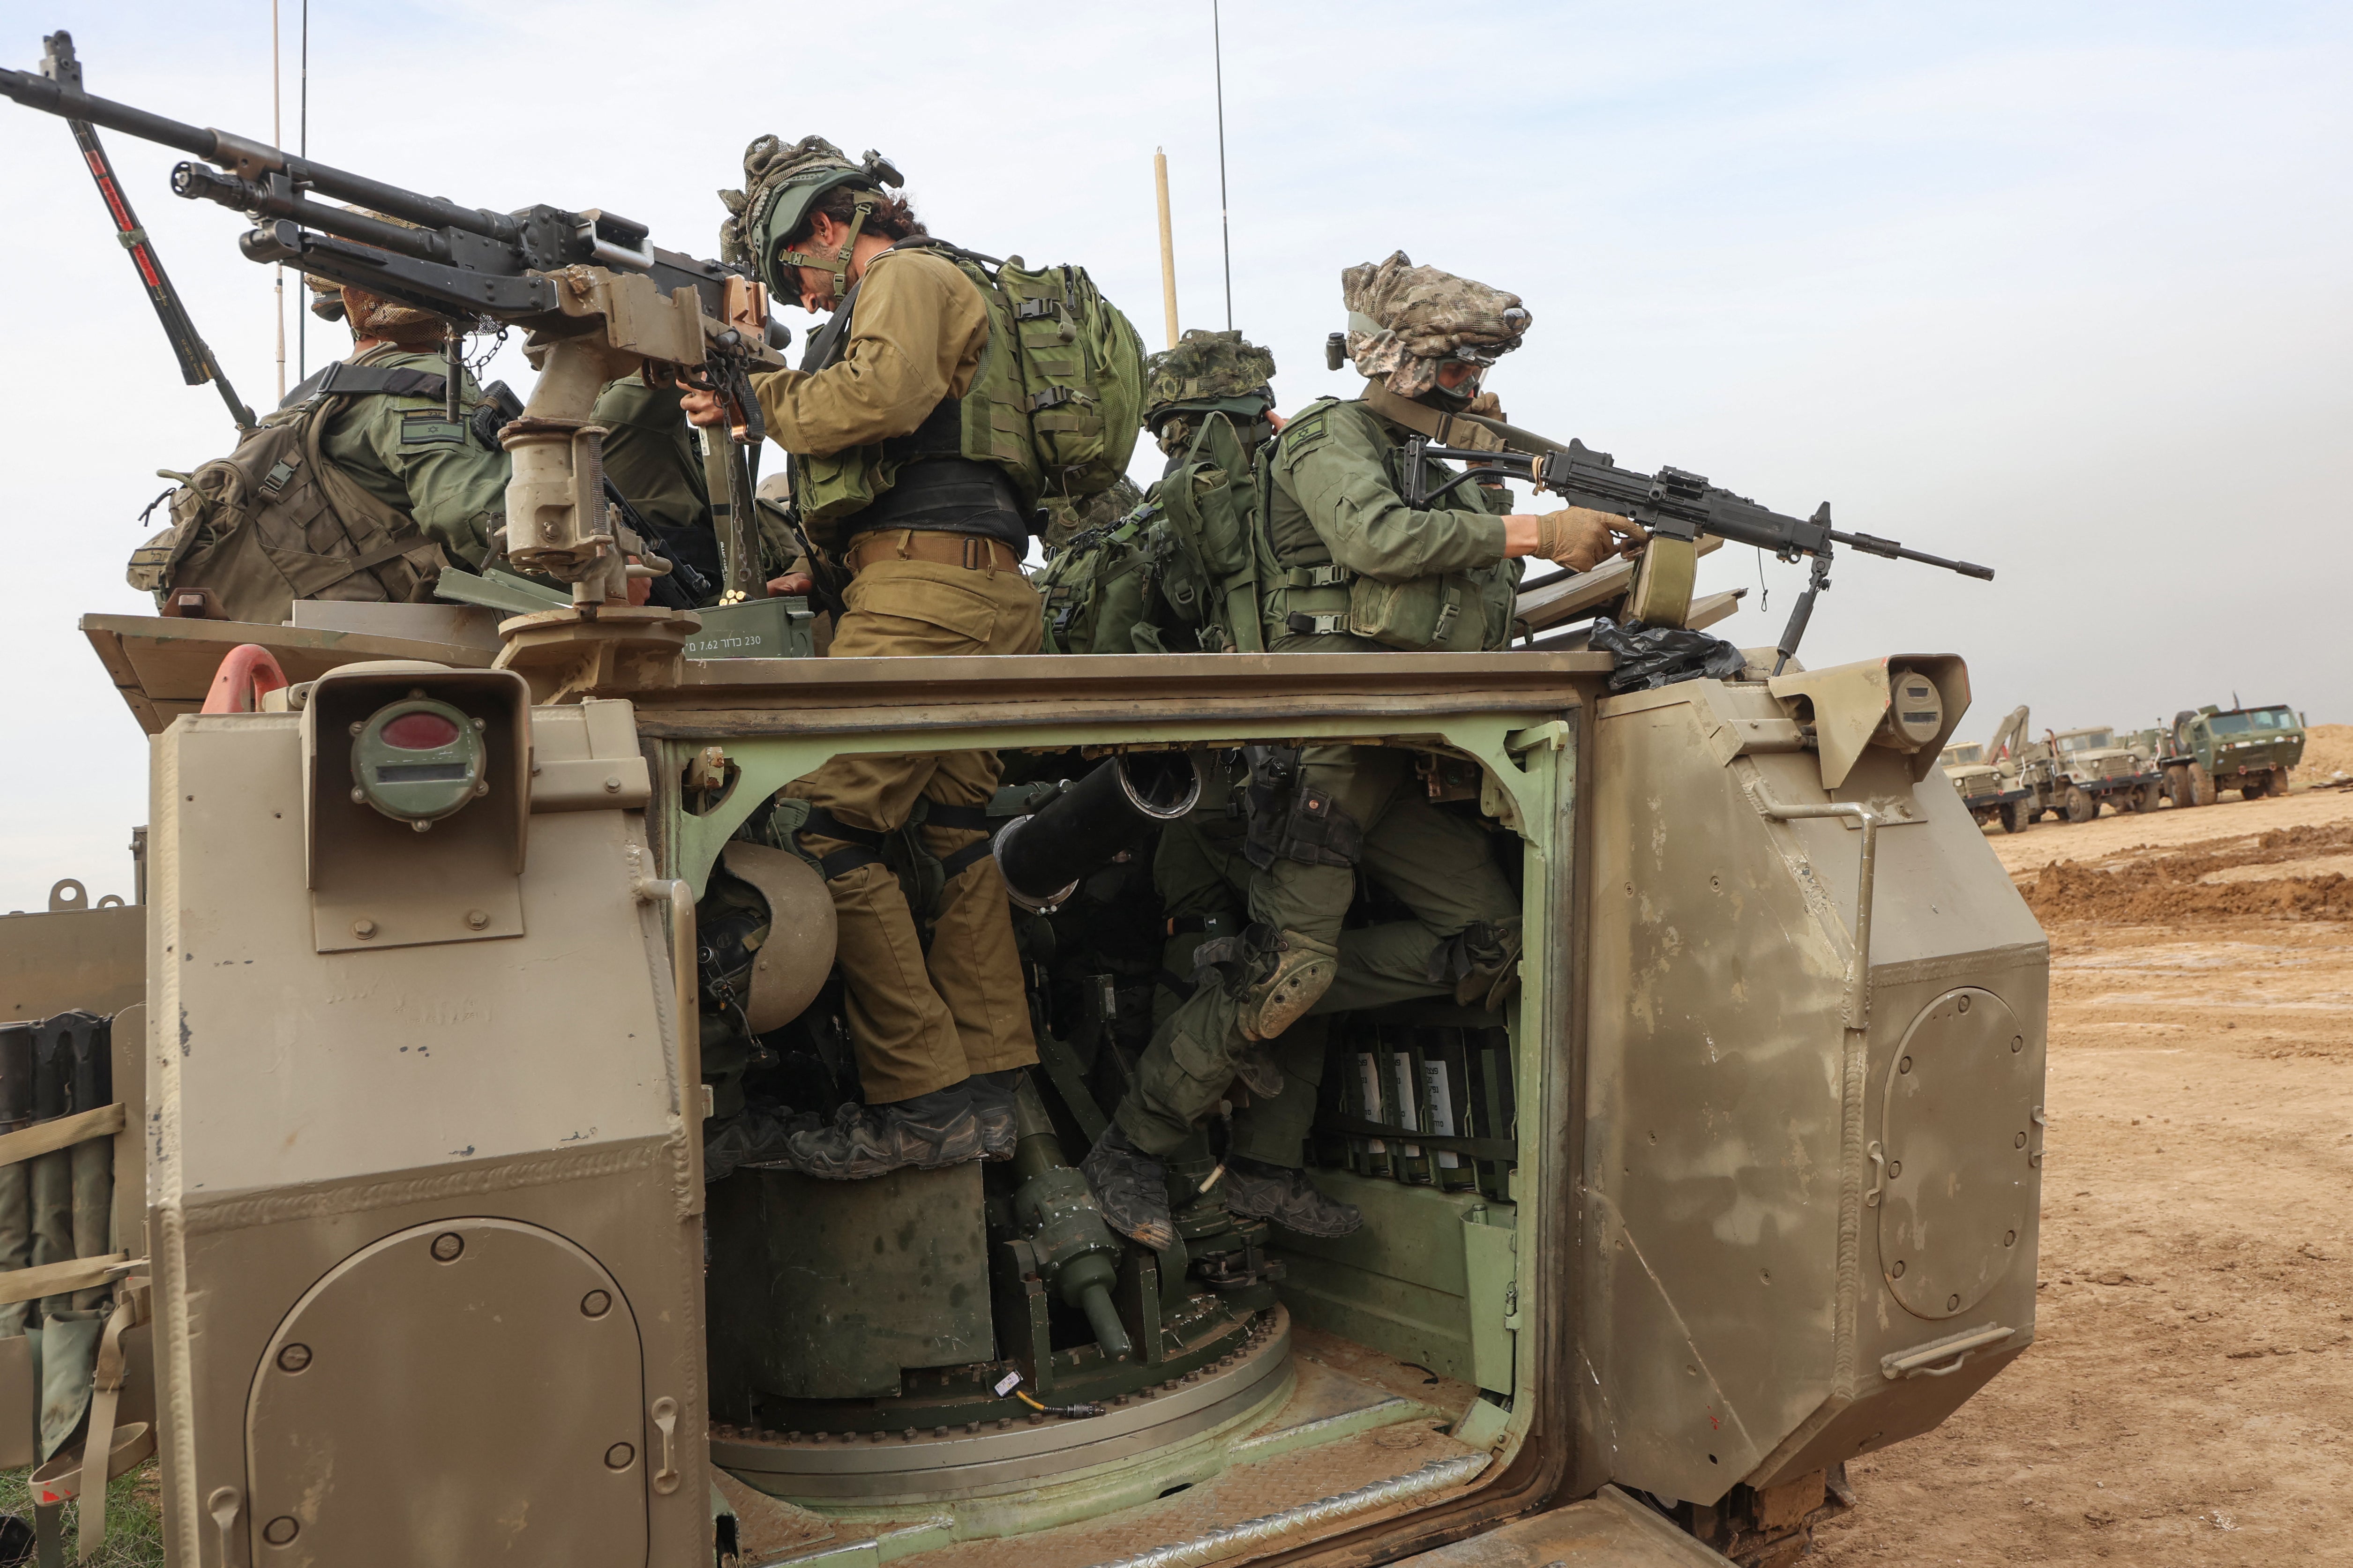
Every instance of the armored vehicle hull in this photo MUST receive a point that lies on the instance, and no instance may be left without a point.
(1741, 1185)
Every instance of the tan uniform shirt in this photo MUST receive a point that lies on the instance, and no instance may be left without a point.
(915, 337)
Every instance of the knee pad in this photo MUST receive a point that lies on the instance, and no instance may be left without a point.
(1291, 977)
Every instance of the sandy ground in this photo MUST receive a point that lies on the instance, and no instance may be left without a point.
(2190, 1395)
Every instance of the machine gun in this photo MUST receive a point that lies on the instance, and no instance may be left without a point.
(1673, 504)
(598, 298)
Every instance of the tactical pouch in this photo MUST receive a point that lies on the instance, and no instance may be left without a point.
(1425, 614)
(1210, 521)
(1301, 824)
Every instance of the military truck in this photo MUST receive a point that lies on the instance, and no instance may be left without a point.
(1987, 786)
(468, 941)
(2074, 772)
(2209, 750)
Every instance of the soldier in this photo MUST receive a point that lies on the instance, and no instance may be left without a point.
(891, 476)
(1358, 569)
(449, 481)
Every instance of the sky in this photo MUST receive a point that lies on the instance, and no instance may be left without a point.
(2062, 289)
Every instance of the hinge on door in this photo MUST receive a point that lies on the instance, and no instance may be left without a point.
(1512, 1308)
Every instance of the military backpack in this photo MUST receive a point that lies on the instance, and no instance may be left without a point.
(1057, 402)
(274, 522)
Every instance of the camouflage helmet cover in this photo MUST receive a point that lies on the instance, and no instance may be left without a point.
(780, 183)
(1405, 321)
(384, 317)
(1206, 368)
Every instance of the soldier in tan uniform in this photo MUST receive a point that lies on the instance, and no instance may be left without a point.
(887, 480)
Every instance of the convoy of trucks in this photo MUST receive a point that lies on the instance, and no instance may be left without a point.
(2074, 772)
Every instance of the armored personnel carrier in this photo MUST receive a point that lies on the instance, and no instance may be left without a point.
(461, 936)
(426, 1249)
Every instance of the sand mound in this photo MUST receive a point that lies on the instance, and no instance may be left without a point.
(2327, 751)
(2170, 888)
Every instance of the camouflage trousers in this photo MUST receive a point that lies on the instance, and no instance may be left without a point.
(1436, 864)
(922, 1019)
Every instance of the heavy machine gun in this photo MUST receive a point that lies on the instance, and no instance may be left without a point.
(597, 297)
(1673, 504)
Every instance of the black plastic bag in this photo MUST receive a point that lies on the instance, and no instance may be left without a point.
(1651, 656)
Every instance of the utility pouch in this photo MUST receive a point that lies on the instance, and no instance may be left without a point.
(1294, 821)
(1425, 614)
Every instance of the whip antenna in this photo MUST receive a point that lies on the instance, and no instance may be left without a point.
(1225, 229)
(277, 138)
(302, 145)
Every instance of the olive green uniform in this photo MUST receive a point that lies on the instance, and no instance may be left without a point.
(921, 1020)
(405, 452)
(1336, 512)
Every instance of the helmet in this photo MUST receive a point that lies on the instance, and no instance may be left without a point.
(780, 183)
(1220, 371)
(379, 316)
(1405, 321)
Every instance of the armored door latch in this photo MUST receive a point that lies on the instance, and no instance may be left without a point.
(1942, 1358)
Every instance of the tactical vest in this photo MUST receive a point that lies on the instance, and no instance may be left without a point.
(1304, 593)
(274, 522)
(1055, 402)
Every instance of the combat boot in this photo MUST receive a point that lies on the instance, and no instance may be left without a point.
(1287, 1198)
(928, 1132)
(1131, 1188)
(1255, 1066)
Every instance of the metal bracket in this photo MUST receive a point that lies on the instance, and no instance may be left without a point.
(1858, 975)
(1878, 1174)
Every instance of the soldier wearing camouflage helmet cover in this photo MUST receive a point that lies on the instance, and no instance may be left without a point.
(1353, 568)
(900, 473)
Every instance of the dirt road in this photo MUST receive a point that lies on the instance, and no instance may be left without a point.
(2190, 1395)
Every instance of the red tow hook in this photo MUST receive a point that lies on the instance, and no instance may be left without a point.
(249, 670)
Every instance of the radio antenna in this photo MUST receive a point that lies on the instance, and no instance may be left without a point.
(302, 145)
(277, 135)
(1225, 229)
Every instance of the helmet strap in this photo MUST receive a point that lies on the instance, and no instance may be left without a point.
(839, 262)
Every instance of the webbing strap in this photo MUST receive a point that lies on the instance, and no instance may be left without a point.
(971, 818)
(1330, 574)
(345, 379)
(1308, 626)
(965, 858)
(865, 846)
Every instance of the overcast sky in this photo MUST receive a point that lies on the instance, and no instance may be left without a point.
(2060, 288)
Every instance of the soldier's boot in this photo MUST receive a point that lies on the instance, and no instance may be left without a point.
(992, 1094)
(1287, 1198)
(1482, 963)
(928, 1133)
(1131, 1188)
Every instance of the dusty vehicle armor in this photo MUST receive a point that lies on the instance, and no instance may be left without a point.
(458, 931)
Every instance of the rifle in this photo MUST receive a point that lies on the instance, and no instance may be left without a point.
(598, 298)
(197, 364)
(1673, 504)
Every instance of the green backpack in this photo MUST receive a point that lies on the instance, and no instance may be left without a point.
(1083, 374)
(1094, 589)
(1204, 562)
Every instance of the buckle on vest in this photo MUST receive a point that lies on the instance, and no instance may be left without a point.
(1033, 308)
(1054, 397)
(280, 472)
(1307, 625)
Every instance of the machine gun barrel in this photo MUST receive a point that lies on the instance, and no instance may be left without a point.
(1672, 504)
(35, 91)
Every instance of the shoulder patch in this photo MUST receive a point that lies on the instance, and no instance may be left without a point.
(429, 428)
(1303, 432)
